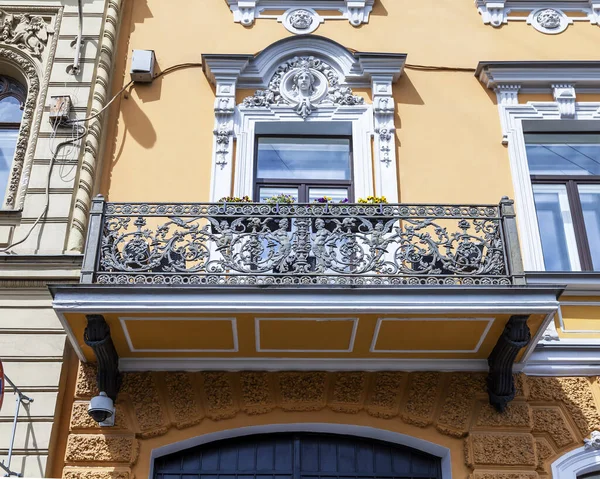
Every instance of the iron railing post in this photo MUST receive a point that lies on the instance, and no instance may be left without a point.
(94, 237)
(511, 240)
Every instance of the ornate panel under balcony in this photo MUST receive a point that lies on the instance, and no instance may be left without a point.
(257, 244)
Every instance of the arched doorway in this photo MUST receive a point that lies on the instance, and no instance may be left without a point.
(298, 456)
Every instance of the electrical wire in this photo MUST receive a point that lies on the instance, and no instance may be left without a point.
(170, 69)
(47, 192)
(429, 68)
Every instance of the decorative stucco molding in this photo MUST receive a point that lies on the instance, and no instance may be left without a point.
(563, 79)
(26, 31)
(301, 16)
(27, 39)
(593, 442)
(546, 17)
(87, 172)
(307, 79)
(548, 417)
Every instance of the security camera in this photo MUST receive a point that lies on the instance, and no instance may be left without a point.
(102, 410)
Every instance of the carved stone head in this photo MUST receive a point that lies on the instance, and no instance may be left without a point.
(304, 81)
(548, 18)
(301, 19)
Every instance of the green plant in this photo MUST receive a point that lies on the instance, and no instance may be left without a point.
(235, 199)
(281, 198)
(373, 199)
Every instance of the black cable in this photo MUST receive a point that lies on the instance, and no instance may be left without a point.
(411, 66)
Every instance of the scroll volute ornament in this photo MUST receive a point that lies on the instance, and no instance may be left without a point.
(28, 32)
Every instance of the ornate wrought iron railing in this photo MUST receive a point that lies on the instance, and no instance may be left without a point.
(302, 244)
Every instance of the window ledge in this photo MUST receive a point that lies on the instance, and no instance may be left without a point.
(578, 282)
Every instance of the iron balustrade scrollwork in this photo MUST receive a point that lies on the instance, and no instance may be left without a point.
(301, 244)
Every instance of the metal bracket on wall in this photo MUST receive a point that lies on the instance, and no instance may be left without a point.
(500, 380)
(97, 336)
(25, 401)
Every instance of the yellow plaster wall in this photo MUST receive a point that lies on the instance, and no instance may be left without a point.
(548, 417)
(449, 146)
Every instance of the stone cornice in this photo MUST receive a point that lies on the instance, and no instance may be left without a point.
(29, 270)
(540, 76)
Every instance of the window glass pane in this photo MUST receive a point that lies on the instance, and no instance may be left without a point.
(304, 158)
(590, 203)
(337, 195)
(268, 192)
(556, 228)
(10, 110)
(8, 142)
(563, 154)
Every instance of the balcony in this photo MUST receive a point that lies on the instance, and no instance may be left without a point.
(302, 245)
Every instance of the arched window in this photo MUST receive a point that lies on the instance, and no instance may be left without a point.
(12, 99)
(298, 456)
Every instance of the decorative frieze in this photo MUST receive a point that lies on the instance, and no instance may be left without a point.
(304, 83)
(301, 16)
(26, 31)
(551, 20)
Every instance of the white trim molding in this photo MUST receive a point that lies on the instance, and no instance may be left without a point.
(279, 107)
(563, 80)
(247, 11)
(342, 429)
(550, 17)
(580, 461)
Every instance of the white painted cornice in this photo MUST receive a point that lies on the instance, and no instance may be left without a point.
(255, 71)
(546, 16)
(354, 11)
(540, 76)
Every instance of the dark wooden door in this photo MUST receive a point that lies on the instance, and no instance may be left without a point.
(298, 456)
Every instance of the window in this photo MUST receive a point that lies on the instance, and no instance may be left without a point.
(304, 167)
(590, 475)
(565, 175)
(12, 99)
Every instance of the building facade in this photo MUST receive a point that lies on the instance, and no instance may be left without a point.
(49, 50)
(341, 238)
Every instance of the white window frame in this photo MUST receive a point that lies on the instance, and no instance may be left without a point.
(372, 125)
(562, 79)
(360, 117)
(582, 460)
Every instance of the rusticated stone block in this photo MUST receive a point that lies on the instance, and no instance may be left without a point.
(348, 392)
(183, 406)
(302, 391)
(101, 448)
(219, 394)
(459, 402)
(96, 473)
(552, 421)
(544, 452)
(503, 475)
(80, 419)
(575, 393)
(257, 397)
(502, 449)
(517, 414)
(384, 395)
(422, 398)
(85, 386)
(147, 406)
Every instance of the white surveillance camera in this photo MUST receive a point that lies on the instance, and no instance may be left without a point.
(102, 410)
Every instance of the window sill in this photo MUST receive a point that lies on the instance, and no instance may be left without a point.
(576, 282)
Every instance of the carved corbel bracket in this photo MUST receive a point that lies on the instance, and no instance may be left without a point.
(244, 12)
(224, 113)
(358, 11)
(507, 95)
(500, 381)
(97, 336)
(565, 97)
(493, 12)
(385, 138)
